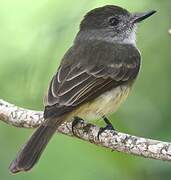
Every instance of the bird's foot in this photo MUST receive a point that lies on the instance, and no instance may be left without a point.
(108, 126)
(75, 122)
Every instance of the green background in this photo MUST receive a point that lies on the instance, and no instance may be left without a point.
(34, 35)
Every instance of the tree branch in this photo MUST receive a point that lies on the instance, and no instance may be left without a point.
(116, 141)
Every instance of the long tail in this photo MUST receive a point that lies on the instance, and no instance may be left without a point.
(32, 150)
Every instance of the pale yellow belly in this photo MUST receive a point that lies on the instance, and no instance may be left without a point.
(105, 104)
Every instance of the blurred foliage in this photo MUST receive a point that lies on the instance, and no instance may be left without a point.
(34, 35)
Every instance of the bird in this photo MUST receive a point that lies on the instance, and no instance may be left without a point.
(95, 76)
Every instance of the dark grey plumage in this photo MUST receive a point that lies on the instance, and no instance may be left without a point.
(103, 61)
(78, 71)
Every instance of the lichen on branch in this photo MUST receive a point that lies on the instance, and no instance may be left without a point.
(114, 140)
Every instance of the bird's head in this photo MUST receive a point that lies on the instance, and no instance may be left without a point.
(111, 23)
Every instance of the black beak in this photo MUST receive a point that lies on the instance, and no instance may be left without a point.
(138, 17)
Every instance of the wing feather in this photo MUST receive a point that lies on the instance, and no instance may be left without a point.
(79, 81)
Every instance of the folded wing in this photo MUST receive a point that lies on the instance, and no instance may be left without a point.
(88, 74)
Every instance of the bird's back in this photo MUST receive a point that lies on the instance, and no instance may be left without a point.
(103, 62)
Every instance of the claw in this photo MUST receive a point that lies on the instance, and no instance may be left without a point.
(108, 126)
(74, 123)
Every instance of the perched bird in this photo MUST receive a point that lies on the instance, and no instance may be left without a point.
(95, 75)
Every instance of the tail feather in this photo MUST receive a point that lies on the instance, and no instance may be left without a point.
(31, 152)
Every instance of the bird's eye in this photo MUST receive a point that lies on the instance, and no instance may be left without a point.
(113, 21)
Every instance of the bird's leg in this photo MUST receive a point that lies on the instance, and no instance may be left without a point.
(75, 122)
(108, 126)
(108, 123)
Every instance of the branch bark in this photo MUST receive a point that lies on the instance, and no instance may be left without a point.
(114, 140)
